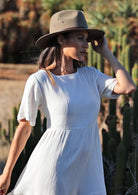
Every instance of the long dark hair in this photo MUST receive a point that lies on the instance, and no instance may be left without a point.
(51, 54)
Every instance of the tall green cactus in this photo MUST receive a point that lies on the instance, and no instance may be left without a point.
(119, 179)
(129, 58)
(15, 112)
(94, 61)
(90, 57)
(112, 106)
(114, 48)
(119, 41)
(115, 53)
(124, 41)
(135, 73)
(112, 143)
(112, 128)
(100, 63)
(105, 139)
(132, 167)
(127, 134)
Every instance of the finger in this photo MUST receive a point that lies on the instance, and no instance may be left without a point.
(100, 41)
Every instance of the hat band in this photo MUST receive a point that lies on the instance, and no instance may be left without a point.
(72, 28)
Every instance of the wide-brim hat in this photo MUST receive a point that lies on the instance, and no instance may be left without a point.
(67, 21)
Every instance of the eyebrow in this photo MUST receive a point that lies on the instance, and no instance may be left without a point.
(80, 34)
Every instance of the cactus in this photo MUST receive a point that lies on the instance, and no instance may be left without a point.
(129, 58)
(124, 41)
(119, 178)
(127, 137)
(112, 107)
(114, 48)
(135, 73)
(105, 139)
(118, 138)
(120, 34)
(90, 55)
(112, 145)
(112, 128)
(100, 62)
(12, 128)
(94, 59)
(132, 165)
(15, 112)
(122, 58)
(4, 136)
(114, 51)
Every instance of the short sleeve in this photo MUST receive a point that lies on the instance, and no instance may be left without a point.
(31, 101)
(106, 85)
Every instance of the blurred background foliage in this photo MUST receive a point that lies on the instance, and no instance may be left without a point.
(23, 21)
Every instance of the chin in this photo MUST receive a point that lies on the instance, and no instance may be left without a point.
(81, 59)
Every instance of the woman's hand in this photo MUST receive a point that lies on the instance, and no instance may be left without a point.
(4, 183)
(100, 45)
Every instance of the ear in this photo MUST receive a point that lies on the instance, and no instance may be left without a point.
(60, 39)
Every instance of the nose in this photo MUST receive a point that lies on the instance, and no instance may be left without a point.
(86, 44)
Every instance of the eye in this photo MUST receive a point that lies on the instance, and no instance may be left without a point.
(81, 38)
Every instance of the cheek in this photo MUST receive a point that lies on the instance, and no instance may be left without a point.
(71, 51)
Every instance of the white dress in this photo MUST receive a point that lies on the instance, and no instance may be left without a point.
(68, 158)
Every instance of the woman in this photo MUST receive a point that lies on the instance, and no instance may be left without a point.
(67, 160)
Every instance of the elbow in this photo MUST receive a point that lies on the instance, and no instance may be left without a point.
(130, 90)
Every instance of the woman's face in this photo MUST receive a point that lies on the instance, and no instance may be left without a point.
(74, 45)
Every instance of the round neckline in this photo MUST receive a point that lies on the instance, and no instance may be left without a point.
(66, 75)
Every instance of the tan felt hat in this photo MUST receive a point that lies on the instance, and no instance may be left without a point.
(66, 21)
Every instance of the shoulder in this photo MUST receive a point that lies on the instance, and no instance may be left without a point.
(89, 71)
(38, 77)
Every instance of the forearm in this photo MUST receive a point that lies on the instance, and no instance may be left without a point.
(125, 83)
(21, 136)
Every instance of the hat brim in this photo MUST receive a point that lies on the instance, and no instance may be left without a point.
(49, 39)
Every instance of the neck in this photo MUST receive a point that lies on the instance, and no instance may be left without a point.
(64, 67)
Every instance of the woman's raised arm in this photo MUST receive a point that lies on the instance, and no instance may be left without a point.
(125, 84)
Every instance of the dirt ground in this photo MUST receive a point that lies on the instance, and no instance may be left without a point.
(12, 82)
